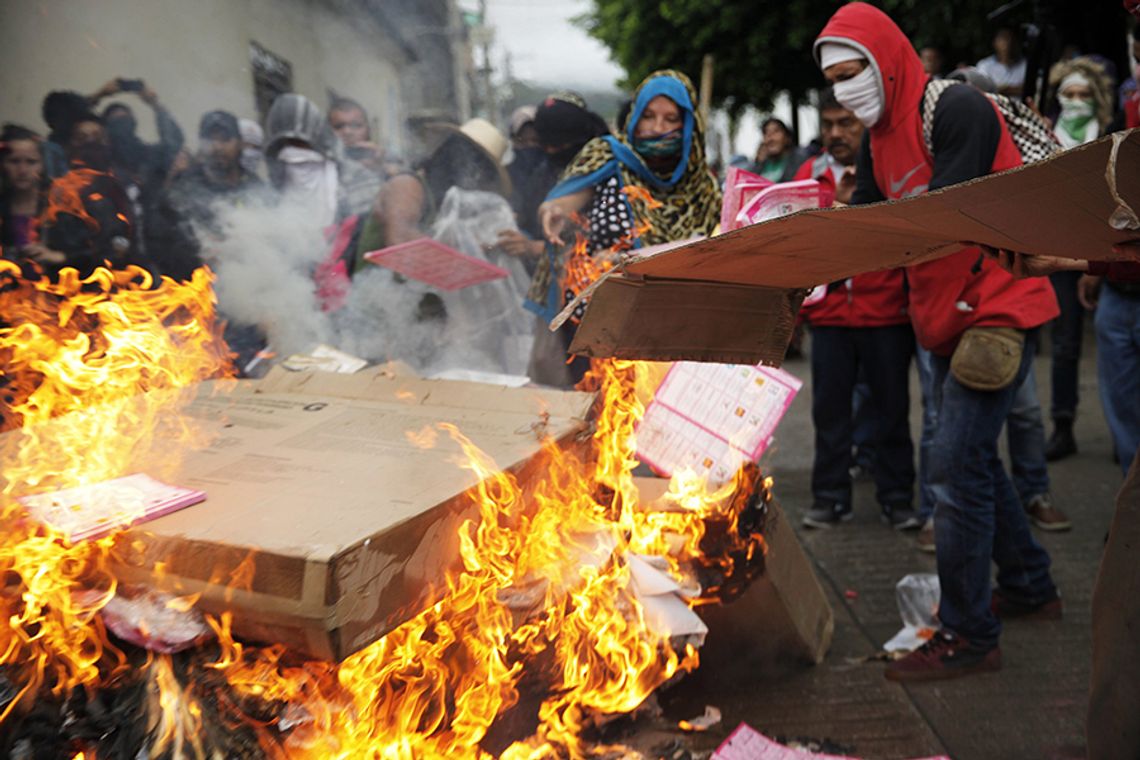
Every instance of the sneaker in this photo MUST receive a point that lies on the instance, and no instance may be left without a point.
(925, 537)
(827, 514)
(1009, 608)
(901, 517)
(1061, 444)
(1045, 516)
(946, 655)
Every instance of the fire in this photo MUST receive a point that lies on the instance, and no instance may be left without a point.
(545, 599)
(584, 267)
(76, 355)
(538, 638)
(66, 196)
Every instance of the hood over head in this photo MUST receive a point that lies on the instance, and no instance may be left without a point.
(678, 88)
(888, 52)
(295, 117)
(563, 120)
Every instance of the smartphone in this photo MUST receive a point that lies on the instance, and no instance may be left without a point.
(130, 85)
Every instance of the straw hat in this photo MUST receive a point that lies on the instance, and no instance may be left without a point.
(483, 135)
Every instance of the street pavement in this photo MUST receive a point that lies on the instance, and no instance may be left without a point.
(1033, 708)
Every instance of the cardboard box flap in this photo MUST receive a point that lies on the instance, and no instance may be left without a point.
(669, 320)
(732, 298)
(1058, 207)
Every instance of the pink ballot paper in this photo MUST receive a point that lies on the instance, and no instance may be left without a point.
(93, 511)
(740, 187)
(746, 743)
(436, 264)
(712, 418)
(784, 198)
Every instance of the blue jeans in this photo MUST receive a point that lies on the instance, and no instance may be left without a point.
(924, 360)
(978, 517)
(1025, 430)
(837, 355)
(1068, 328)
(1118, 369)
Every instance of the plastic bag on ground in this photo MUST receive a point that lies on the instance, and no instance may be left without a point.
(917, 595)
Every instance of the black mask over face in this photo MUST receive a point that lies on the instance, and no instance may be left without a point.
(562, 158)
(126, 147)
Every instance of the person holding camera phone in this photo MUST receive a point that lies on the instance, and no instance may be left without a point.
(141, 167)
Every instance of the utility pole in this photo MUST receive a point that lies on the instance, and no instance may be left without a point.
(459, 52)
(509, 78)
(484, 37)
(706, 87)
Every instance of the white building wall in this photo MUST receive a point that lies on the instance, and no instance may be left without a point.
(195, 55)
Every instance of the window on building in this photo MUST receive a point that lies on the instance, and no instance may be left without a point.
(272, 76)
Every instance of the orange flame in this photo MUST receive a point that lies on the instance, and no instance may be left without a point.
(583, 266)
(544, 596)
(543, 625)
(66, 196)
(75, 357)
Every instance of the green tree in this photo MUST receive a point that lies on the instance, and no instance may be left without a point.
(762, 49)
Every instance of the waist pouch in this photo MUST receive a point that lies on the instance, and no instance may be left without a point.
(987, 358)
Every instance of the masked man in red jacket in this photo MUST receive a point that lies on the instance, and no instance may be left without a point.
(978, 321)
(860, 324)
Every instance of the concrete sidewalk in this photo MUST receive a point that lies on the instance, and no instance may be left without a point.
(1033, 708)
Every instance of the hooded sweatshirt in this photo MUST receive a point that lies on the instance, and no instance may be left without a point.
(873, 299)
(970, 139)
(294, 117)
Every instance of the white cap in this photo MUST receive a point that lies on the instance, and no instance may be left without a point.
(831, 53)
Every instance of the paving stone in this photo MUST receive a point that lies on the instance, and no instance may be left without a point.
(1033, 708)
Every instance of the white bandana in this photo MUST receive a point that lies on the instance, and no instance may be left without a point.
(311, 179)
(862, 96)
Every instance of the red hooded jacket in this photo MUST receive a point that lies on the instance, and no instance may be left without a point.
(875, 299)
(954, 293)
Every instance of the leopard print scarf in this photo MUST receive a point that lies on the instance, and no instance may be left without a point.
(632, 207)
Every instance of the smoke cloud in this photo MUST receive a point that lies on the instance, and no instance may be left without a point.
(265, 256)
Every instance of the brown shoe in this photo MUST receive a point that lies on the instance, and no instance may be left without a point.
(1046, 516)
(944, 656)
(925, 538)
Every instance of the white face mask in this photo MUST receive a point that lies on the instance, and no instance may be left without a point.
(310, 179)
(860, 95)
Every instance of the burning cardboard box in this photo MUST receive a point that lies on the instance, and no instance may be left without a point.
(335, 511)
(334, 502)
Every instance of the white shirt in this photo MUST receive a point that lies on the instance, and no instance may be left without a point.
(1002, 74)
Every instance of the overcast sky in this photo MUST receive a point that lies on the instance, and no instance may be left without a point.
(545, 47)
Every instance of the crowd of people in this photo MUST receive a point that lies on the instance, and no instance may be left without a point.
(893, 125)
